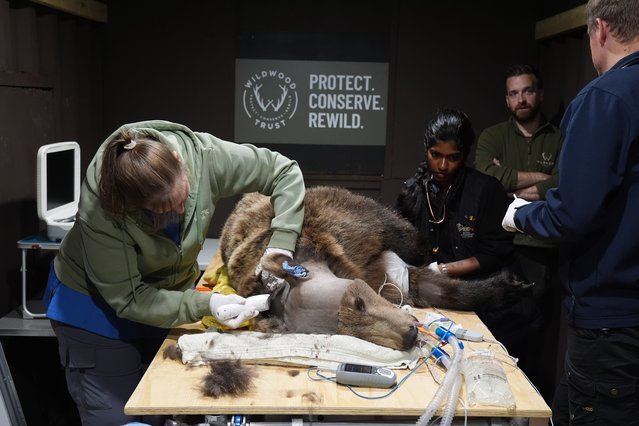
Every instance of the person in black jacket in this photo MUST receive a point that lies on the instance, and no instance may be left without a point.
(458, 210)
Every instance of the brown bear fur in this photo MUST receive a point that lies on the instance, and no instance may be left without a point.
(349, 233)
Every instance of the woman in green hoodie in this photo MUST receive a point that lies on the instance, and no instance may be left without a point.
(126, 270)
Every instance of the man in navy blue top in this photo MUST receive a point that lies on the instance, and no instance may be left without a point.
(594, 215)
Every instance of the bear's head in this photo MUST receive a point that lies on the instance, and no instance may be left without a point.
(368, 316)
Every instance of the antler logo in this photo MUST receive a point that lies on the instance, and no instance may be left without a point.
(270, 99)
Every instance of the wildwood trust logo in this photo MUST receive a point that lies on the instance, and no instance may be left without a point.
(270, 99)
(310, 102)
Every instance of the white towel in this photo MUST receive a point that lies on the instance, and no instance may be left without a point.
(321, 350)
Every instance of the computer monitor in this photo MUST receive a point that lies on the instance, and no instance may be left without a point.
(58, 182)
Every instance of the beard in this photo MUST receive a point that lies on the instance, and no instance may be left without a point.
(525, 115)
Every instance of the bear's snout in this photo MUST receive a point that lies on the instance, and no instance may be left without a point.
(410, 338)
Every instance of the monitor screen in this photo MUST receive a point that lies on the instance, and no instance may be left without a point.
(58, 183)
(59, 178)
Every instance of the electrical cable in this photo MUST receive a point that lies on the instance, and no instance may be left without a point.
(401, 293)
(449, 387)
(393, 389)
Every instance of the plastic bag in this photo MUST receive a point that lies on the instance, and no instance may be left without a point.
(486, 382)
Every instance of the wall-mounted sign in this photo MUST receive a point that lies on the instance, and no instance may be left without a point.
(311, 102)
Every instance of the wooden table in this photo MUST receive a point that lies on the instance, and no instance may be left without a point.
(169, 387)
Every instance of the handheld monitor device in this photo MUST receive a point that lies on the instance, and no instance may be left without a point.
(365, 375)
(58, 183)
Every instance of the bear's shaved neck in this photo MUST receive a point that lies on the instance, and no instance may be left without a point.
(312, 305)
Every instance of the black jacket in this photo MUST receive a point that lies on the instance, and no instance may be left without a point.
(474, 208)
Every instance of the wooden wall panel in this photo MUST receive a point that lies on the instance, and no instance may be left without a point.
(25, 35)
(30, 114)
(50, 90)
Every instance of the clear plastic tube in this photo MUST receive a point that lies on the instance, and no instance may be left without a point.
(453, 377)
(434, 402)
(451, 404)
(453, 396)
(439, 393)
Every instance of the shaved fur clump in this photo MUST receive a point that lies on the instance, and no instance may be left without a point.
(227, 377)
(172, 352)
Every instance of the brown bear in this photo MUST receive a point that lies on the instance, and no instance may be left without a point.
(347, 244)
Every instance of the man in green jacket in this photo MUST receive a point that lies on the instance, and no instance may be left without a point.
(126, 270)
(522, 153)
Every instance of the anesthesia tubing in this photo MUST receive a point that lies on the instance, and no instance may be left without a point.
(450, 387)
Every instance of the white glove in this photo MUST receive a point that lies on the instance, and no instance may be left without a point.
(230, 310)
(434, 267)
(268, 279)
(508, 222)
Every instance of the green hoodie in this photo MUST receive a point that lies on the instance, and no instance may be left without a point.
(516, 152)
(144, 276)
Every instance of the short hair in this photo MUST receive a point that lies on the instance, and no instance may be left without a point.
(450, 124)
(621, 15)
(522, 69)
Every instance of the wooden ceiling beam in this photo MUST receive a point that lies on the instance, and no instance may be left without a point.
(561, 23)
(89, 9)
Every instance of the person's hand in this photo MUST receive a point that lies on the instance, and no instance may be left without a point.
(268, 279)
(508, 222)
(230, 310)
(434, 266)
